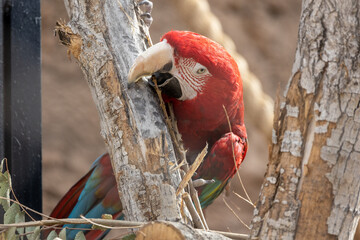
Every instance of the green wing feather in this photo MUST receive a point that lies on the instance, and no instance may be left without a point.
(211, 191)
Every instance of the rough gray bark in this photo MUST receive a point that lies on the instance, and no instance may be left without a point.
(312, 186)
(105, 37)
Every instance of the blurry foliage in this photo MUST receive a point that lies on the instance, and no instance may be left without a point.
(14, 214)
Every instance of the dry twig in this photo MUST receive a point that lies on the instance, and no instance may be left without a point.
(233, 152)
(241, 221)
(196, 218)
(192, 170)
(108, 223)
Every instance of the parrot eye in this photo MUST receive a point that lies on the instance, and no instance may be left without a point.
(201, 70)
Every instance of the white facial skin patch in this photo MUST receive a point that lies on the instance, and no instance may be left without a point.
(192, 77)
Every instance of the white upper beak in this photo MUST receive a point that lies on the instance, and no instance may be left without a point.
(150, 61)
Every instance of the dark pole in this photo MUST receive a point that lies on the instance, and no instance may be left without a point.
(2, 77)
(20, 90)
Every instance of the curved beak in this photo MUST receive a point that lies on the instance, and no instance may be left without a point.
(156, 58)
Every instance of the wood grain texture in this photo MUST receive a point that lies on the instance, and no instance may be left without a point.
(177, 231)
(312, 186)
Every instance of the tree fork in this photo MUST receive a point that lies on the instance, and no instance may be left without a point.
(312, 186)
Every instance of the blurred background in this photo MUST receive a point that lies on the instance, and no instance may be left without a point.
(265, 33)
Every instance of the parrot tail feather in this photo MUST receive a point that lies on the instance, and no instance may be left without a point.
(68, 202)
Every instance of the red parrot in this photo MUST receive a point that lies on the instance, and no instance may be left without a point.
(200, 78)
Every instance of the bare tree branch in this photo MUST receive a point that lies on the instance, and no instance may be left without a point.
(117, 224)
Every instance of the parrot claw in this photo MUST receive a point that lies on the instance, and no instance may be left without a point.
(146, 17)
(201, 182)
(146, 7)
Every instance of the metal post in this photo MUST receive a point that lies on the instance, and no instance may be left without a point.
(2, 92)
(20, 94)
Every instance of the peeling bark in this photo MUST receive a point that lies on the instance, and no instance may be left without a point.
(109, 35)
(312, 186)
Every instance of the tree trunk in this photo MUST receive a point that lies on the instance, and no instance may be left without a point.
(105, 37)
(312, 186)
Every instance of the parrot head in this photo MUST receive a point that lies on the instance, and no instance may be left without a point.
(187, 65)
(200, 78)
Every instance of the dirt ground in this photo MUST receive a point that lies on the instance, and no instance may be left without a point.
(265, 33)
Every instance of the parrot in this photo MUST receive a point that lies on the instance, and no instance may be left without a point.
(202, 82)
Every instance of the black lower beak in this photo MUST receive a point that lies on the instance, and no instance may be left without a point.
(161, 78)
(168, 84)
